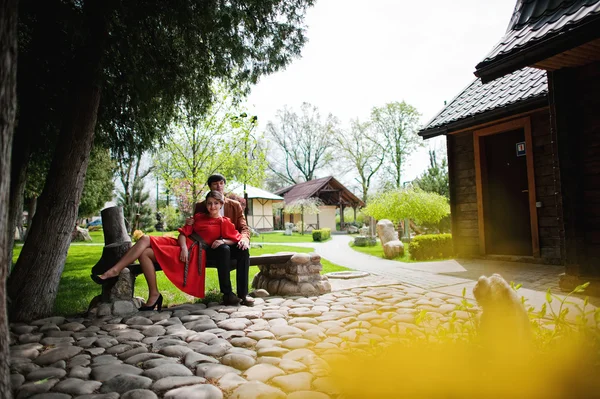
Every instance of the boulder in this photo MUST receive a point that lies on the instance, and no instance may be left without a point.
(360, 241)
(393, 249)
(386, 231)
(352, 229)
(80, 234)
(289, 227)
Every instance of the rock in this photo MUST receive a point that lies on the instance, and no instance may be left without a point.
(261, 293)
(238, 361)
(75, 386)
(56, 354)
(139, 394)
(103, 373)
(352, 229)
(294, 382)
(257, 390)
(168, 383)
(167, 370)
(360, 241)
(386, 231)
(263, 372)
(125, 382)
(202, 391)
(80, 234)
(231, 381)
(393, 249)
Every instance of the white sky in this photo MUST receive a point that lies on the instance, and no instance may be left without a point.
(363, 54)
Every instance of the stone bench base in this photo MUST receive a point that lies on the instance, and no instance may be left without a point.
(300, 275)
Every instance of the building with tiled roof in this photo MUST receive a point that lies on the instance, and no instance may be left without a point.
(546, 34)
(525, 184)
(332, 194)
(518, 92)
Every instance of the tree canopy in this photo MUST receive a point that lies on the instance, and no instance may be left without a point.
(118, 69)
(435, 178)
(303, 143)
(396, 123)
(219, 140)
(360, 149)
(415, 204)
(98, 187)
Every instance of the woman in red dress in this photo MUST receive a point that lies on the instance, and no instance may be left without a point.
(179, 258)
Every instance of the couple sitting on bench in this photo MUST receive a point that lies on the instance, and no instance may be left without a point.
(219, 228)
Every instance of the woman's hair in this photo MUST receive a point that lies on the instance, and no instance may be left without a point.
(216, 195)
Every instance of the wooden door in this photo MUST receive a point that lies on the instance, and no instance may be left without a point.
(506, 194)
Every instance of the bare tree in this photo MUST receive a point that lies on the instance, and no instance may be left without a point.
(363, 151)
(305, 141)
(8, 109)
(397, 123)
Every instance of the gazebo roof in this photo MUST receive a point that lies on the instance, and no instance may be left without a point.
(253, 192)
(328, 189)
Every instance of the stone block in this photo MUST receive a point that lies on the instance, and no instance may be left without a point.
(360, 241)
(386, 231)
(393, 249)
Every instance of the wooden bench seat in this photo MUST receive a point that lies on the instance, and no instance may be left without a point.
(268, 259)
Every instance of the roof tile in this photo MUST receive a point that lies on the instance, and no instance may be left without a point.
(478, 98)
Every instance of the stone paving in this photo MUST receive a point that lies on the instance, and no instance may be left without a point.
(280, 348)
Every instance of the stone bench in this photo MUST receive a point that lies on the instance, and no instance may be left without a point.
(286, 273)
(279, 274)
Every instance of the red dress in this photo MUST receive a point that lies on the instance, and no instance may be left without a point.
(167, 251)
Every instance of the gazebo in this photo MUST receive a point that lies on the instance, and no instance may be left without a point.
(260, 205)
(331, 192)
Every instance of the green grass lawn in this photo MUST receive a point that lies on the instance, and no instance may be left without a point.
(97, 236)
(76, 289)
(377, 250)
(280, 237)
(269, 237)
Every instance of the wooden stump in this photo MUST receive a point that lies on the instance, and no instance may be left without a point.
(116, 243)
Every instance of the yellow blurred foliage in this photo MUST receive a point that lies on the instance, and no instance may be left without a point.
(443, 367)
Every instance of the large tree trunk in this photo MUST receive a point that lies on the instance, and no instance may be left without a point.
(8, 107)
(20, 157)
(34, 282)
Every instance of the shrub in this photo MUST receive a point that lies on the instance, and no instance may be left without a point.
(172, 218)
(321, 234)
(431, 246)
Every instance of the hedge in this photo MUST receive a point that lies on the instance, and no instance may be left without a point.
(431, 246)
(321, 234)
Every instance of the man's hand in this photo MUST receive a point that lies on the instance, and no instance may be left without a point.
(183, 255)
(217, 243)
(189, 221)
(243, 244)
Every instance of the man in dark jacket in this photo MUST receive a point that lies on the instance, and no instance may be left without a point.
(233, 210)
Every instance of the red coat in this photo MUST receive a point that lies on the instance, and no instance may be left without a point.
(167, 251)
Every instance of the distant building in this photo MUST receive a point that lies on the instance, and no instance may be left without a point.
(333, 195)
(260, 205)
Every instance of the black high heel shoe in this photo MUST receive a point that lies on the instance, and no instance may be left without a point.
(157, 303)
(101, 281)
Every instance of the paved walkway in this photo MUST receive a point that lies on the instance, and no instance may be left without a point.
(447, 276)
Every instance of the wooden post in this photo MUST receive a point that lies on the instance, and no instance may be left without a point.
(116, 243)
